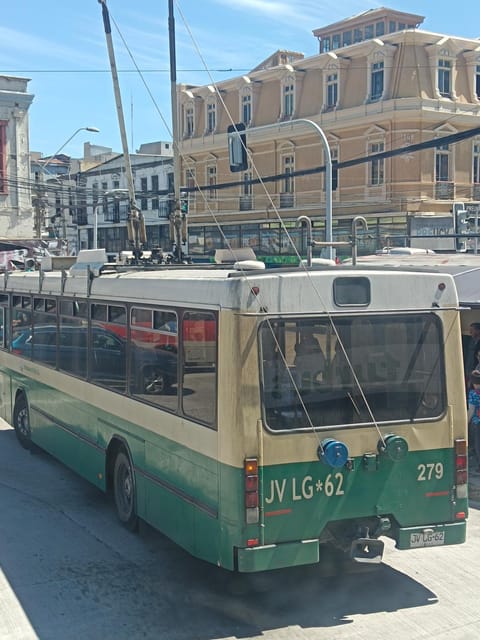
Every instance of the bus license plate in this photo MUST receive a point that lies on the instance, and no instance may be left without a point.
(427, 539)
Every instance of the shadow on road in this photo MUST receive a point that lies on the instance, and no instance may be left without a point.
(77, 573)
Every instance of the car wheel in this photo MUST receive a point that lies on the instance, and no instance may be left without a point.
(154, 381)
(124, 491)
(21, 422)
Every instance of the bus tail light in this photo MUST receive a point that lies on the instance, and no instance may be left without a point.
(250, 467)
(461, 474)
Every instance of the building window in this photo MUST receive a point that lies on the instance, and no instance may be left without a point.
(444, 69)
(326, 45)
(288, 169)
(212, 182)
(288, 100)
(369, 32)
(143, 190)
(332, 90)
(357, 35)
(3, 156)
(154, 193)
(105, 203)
(477, 81)
(211, 117)
(336, 42)
(189, 183)
(392, 26)
(379, 29)
(247, 108)
(347, 38)
(334, 157)
(377, 165)
(247, 185)
(377, 80)
(442, 162)
(188, 124)
(476, 164)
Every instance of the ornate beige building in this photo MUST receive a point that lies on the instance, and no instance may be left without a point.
(378, 83)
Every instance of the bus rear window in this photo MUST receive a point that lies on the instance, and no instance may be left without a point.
(352, 371)
(351, 291)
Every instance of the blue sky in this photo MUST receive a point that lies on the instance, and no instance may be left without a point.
(60, 45)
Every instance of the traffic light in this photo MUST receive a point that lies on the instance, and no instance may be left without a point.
(184, 202)
(237, 147)
(462, 225)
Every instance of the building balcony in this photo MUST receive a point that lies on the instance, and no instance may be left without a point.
(245, 203)
(444, 190)
(287, 200)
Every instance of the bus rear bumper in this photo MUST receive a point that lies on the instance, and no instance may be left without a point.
(435, 535)
(277, 556)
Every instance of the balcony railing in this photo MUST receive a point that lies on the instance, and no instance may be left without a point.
(287, 200)
(246, 203)
(444, 190)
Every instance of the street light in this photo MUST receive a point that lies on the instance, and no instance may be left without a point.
(117, 194)
(92, 129)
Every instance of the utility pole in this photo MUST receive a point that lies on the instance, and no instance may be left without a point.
(137, 234)
(39, 203)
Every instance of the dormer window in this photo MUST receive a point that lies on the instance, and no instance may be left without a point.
(377, 80)
(443, 69)
(331, 91)
(211, 117)
(246, 108)
(188, 121)
(444, 77)
(288, 99)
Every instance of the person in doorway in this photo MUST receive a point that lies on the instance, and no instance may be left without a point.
(477, 360)
(472, 348)
(474, 417)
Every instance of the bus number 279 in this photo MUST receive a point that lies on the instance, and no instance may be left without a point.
(429, 471)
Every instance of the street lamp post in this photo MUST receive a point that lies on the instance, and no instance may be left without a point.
(92, 129)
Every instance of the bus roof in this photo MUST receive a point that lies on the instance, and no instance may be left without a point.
(464, 267)
(271, 291)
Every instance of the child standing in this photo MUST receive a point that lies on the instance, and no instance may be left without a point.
(474, 413)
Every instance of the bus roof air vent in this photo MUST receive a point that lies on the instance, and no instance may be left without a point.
(89, 259)
(249, 265)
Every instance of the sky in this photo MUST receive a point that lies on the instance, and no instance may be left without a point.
(60, 46)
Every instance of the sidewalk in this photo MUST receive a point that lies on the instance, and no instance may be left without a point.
(474, 488)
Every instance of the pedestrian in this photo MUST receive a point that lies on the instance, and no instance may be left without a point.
(474, 417)
(477, 360)
(472, 347)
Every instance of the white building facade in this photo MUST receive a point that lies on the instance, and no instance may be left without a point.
(16, 212)
(102, 201)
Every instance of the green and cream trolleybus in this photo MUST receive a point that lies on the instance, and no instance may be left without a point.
(258, 418)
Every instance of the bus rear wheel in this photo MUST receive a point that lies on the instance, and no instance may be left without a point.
(124, 491)
(21, 422)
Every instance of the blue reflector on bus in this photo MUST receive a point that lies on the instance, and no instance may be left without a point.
(333, 452)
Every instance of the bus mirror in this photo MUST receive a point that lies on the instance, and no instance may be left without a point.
(237, 147)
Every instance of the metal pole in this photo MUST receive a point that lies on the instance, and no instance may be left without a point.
(328, 172)
(358, 220)
(308, 224)
(95, 224)
(476, 231)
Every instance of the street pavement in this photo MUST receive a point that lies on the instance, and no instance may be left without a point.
(69, 571)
